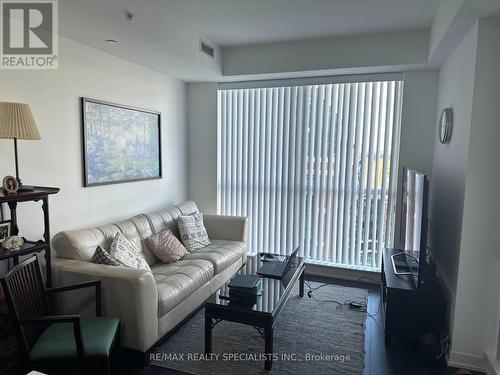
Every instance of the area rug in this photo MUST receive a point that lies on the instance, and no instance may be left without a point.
(312, 336)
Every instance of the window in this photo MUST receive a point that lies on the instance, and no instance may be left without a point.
(314, 165)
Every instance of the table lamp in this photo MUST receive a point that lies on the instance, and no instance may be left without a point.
(17, 122)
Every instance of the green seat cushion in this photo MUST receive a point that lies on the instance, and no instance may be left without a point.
(58, 340)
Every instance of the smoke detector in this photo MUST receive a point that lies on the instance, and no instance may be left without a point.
(130, 16)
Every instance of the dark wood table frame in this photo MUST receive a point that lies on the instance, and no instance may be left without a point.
(29, 247)
(410, 311)
(263, 321)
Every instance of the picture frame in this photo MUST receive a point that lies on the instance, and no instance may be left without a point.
(10, 184)
(119, 143)
(4, 230)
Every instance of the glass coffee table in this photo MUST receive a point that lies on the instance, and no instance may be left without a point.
(262, 312)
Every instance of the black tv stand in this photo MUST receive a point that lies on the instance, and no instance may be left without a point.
(409, 310)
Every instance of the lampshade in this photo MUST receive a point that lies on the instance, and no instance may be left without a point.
(16, 121)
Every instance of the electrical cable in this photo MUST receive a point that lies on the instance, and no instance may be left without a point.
(316, 287)
(312, 289)
(445, 344)
(350, 304)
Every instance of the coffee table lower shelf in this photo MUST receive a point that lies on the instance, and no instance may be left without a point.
(260, 319)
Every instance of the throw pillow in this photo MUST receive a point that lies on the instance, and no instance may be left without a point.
(192, 230)
(126, 253)
(101, 256)
(166, 246)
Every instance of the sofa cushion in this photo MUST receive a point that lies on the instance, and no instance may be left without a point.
(177, 281)
(81, 244)
(166, 246)
(187, 208)
(101, 256)
(166, 218)
(220, 253)
(58, 340)
(144, 231)
(136, 230)
(192, 230)
(78, 244)
(161, 220)
(125, 252)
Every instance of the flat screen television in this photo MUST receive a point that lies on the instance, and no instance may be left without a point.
(415, 191)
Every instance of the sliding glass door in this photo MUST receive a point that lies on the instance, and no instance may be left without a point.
(314, 165)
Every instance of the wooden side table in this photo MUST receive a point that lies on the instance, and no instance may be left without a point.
(29, 247)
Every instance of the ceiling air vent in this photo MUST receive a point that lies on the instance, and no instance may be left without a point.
(207, 49)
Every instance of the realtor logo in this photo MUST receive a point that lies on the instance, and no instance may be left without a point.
(29, 35)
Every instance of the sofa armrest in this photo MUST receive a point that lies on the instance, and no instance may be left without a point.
(127, 293)
(231, 228)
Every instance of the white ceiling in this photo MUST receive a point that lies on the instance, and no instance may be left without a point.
(164, 35)
(234, 22)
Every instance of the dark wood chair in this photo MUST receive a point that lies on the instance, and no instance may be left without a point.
(58, 343)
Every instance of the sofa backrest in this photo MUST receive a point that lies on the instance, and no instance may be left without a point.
(81, 244)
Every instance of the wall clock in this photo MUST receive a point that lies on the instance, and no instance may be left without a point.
(446, 125)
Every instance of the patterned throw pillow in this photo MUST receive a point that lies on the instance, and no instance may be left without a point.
(127, 254)
(192, 230)
(166, 246)
(101, 256)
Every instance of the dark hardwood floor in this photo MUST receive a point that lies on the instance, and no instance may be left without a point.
(398, 359)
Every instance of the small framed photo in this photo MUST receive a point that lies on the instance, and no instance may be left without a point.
(10, 184)
(4, 230)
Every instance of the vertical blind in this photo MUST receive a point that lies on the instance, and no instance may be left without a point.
(313, 165)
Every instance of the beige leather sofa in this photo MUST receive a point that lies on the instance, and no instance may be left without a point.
(149, 304)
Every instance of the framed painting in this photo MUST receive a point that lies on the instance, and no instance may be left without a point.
(120, 143)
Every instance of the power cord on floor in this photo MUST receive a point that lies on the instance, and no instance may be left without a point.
(312, 289)
(353, 305)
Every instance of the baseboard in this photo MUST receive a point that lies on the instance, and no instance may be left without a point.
(492, 366)
(469, 361)
(370, 277)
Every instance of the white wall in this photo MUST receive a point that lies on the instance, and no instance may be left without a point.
(466, 211)
(417, 129)
(417, 119)
(56, 160)
(202, 135)
(456, 82)
(371, 50)
(487, 115)
(477, 298)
